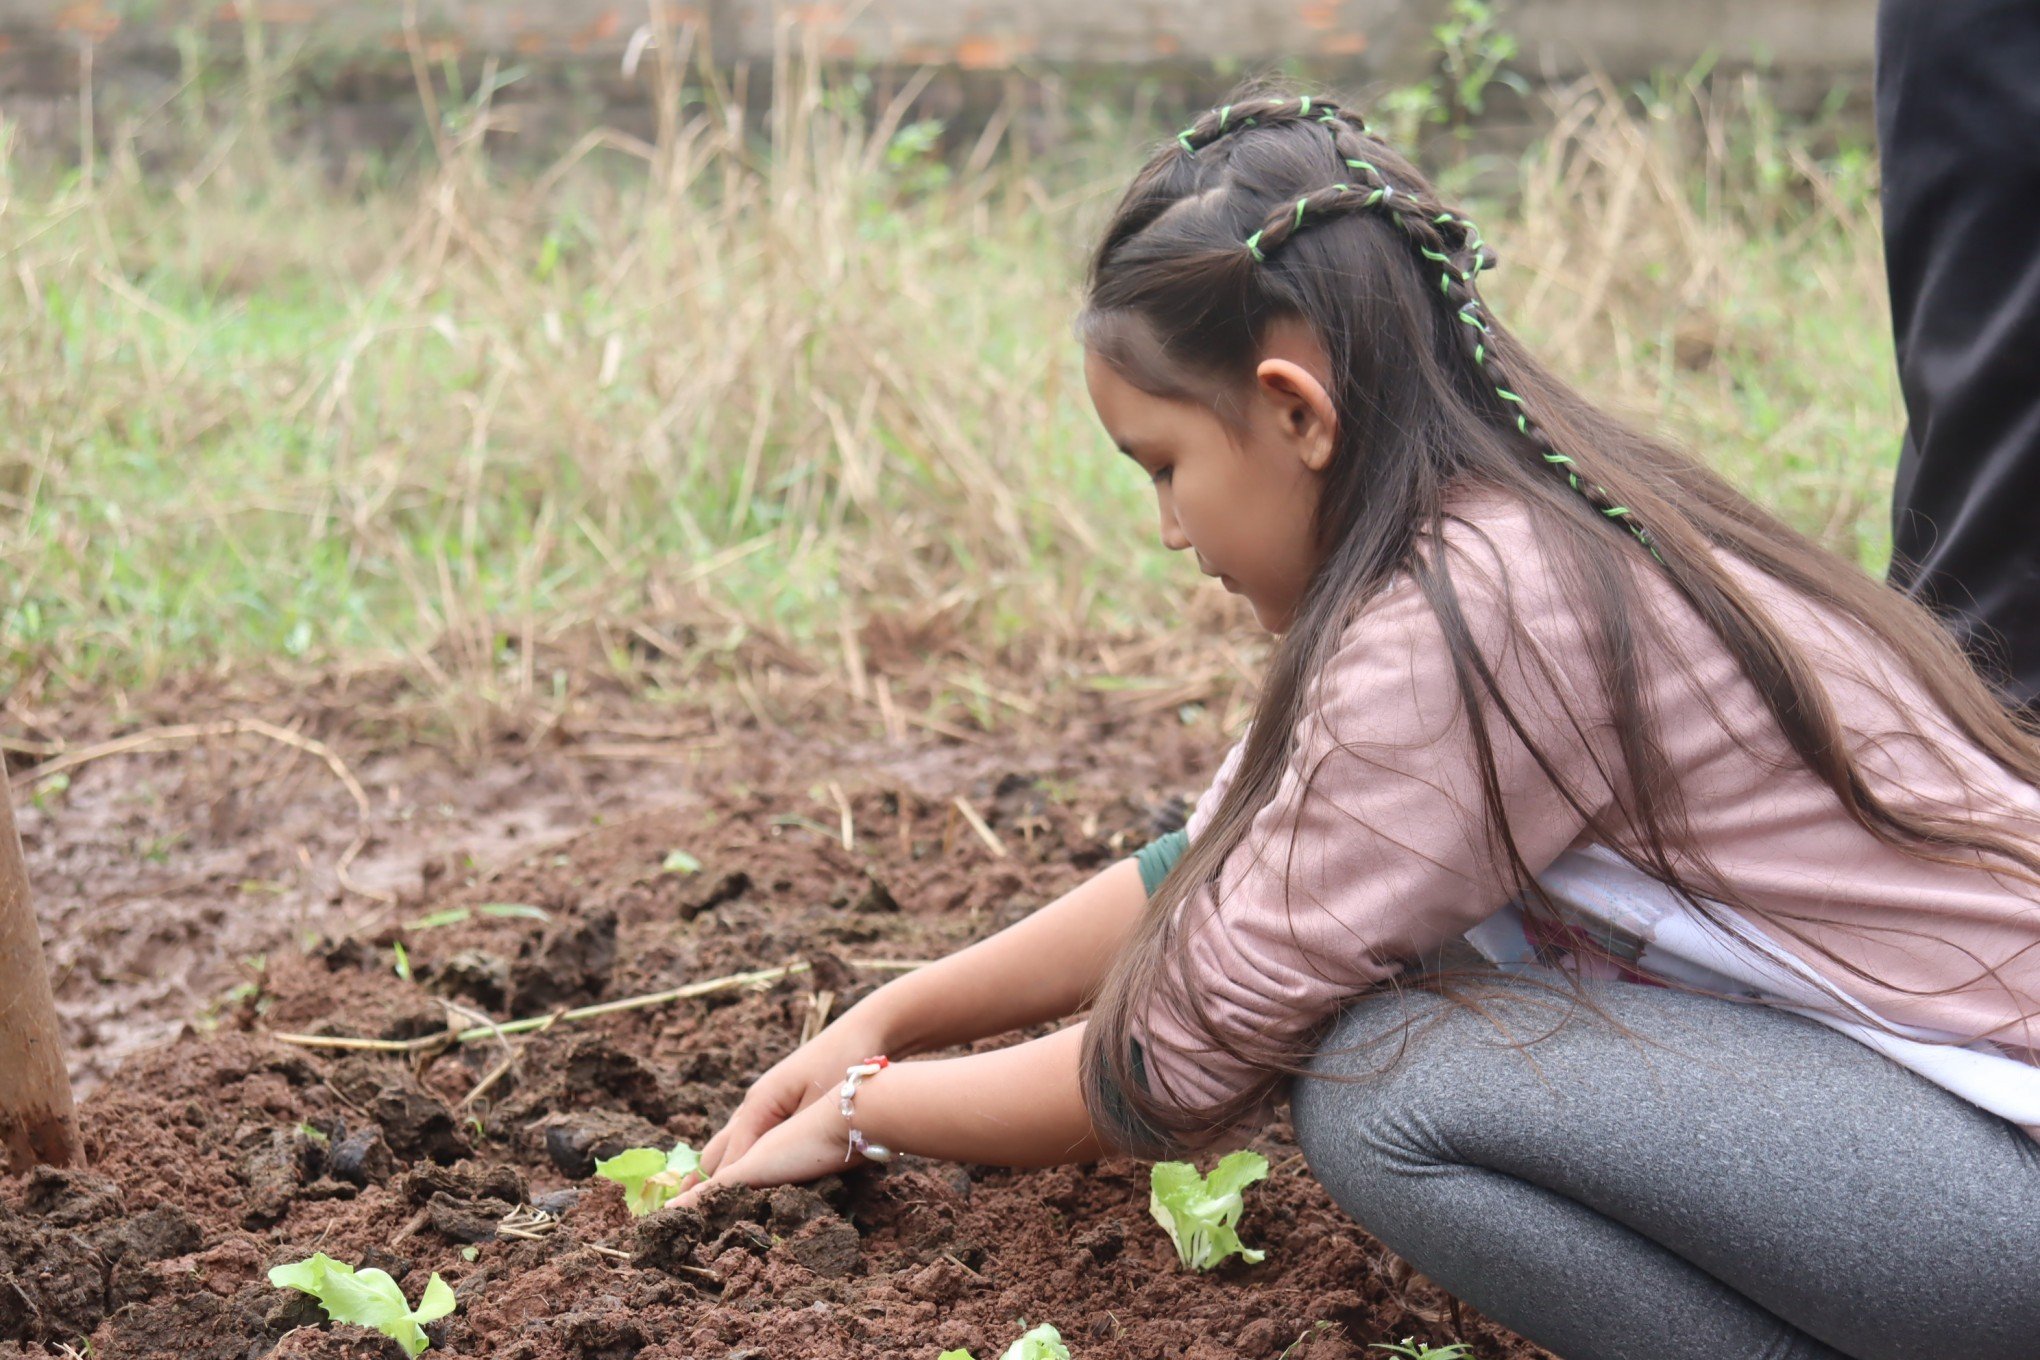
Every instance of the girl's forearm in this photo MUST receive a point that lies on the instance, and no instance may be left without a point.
(1020, 1106)
(1044, 967)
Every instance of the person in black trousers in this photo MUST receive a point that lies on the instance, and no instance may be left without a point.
(1958, 122)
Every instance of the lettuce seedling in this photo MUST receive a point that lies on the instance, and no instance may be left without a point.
(1410, 1350)
(1043, 1343)
(1199, 1212)
(648, 1176)
(369, 1298)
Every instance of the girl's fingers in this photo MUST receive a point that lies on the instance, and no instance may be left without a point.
(735, 1138)
(712, 1151)
(744, 1139)
(714, 1154)
(732, 1173)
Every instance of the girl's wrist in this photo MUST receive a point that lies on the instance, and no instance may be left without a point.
(1018, 1106)
(856, 1140)
(887, 1021)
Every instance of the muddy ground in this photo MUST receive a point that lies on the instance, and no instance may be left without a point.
(193, 912)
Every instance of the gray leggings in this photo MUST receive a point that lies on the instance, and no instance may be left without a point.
(1749, 1183)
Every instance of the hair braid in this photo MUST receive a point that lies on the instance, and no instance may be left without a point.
(1216, 123)
(1453, 243)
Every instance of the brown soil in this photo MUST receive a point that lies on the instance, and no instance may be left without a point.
(217, 1151)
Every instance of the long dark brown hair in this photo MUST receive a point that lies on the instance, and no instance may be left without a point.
(1271, 209)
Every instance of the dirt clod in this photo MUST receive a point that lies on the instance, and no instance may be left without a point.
(667, 1239)
(827, 1246)
(724, 1206)
(750, 1237)
(339, 1343)
(1103, 1242)
(476, 975)
(53, 1284)
(600, 1074)
(272, 1167)
(153, 1235)
(570, 965)
(728, 888)
(577, 1140)
(65, 1198)
(790, 1206)
(558, 1203)
(463, 1181)
(362, 1157)
(466, 1220)
(417, 1125)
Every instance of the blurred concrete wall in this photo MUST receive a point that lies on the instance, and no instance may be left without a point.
(352, 89)
(1377, 38)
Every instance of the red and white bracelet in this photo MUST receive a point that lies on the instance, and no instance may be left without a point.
(852, 1075)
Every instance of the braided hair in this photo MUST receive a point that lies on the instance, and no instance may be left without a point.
(1446, 239)
(1280, 208)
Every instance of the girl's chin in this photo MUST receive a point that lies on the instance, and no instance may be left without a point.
(1268, 620)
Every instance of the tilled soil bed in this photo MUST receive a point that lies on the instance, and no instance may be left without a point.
(222, 1154)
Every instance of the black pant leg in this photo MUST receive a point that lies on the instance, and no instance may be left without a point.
(1958, 119)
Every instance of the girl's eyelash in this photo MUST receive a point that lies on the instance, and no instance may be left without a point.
(1162, 474)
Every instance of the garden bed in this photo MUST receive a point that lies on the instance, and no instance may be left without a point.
(225, 1152)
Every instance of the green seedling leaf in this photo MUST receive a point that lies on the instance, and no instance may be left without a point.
(1200, 1212)
(523, 911)
(1411, 1350)
(648, 1176)
(680, 862)
(403, 960)
(452, 916)
(368, 1298)
(1043, 1343)
(317, 1135)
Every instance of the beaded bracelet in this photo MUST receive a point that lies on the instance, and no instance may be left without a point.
(852, 1075)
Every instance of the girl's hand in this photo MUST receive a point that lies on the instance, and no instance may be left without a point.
(813, 1143)
(807, 1077)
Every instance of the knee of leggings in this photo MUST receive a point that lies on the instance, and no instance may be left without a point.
(1361, 1136)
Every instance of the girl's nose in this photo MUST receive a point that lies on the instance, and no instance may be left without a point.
(1173, 537)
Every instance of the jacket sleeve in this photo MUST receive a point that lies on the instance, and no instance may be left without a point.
(1373, 849)
(1159, 855)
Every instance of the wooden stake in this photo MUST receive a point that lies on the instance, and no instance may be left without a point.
(37, 1120)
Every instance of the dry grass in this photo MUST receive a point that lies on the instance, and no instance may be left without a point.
(749, 401)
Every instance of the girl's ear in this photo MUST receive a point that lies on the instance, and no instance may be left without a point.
(1303, 410)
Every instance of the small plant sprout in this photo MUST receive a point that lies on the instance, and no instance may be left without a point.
(680, 862)
(1043, 1343)
(453, 916)
(368, 1298)
(1200, 1212)
(648, 1176)
(403, 960)
(1409, 1349)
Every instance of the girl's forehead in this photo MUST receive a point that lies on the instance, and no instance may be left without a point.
(1115, 397)
(1131, 415)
